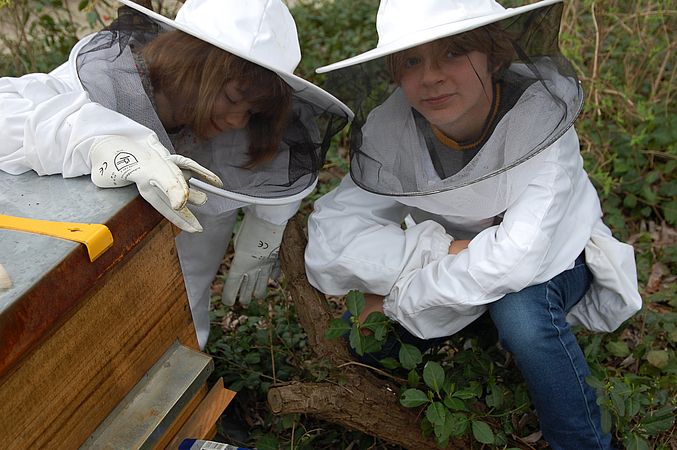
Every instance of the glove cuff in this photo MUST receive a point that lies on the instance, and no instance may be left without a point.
(264, 235)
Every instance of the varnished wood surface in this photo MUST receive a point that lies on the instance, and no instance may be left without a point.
(122, 317)
(32, 317)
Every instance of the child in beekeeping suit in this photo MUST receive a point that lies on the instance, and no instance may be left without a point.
(155, 101)
(464, 127)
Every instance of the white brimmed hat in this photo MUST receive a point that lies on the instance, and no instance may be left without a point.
(260, 31)
(403, 24)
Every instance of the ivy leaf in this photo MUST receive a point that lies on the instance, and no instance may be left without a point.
(410, 356)
(433, 375)
(482, 432)
(411, 398)
(355, 302)
(336, 329)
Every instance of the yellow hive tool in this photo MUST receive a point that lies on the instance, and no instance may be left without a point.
(96, 237)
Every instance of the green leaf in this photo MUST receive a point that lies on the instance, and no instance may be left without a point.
(482, 432)
(635, 442)
(619, 403)
(442, 431)
(267, 442)
(410, 356)
(606, 418)
(658, 358)
(378, 323)
(670, 211)
(336, 329)
(455, 404)
(357, 340)
(630, 201)
(252, 358)
(436, 413)
(355, 302)
(370, 344)
(411, 398)
(464, 394)
(632, 406)
(433, 375)
(457, 423)
(413, 378)
(390, 363)
(659, 420)
(618, 348)
(594, 382)
(495, 397)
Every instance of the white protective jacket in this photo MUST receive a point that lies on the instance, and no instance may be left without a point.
(48, 124)
(550, 213)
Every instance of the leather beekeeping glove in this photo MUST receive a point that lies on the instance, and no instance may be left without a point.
(5, 281)
(257, 246)
(160, 176)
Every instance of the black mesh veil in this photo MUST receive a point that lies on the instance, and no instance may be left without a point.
(391, 148)
(111, 70)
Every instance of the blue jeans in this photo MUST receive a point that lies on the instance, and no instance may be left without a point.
(531, 325)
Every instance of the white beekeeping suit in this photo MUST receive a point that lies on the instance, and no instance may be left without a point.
(523, 198)
(94, 111)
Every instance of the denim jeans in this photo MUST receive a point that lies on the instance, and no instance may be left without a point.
(532, 325)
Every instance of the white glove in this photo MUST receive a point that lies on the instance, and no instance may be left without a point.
(257, 246)
(160, 176)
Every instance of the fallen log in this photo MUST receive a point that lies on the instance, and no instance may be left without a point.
(357, 399)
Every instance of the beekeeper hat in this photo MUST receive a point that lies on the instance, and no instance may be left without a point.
(260, 31)
(403, 24)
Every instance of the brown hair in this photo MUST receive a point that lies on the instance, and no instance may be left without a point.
(197, 72)
(490, 39)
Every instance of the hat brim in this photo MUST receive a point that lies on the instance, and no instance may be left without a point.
(432, 34)
(301, 87)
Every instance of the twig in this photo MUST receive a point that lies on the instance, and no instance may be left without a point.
(595, 62)
(272, 353)
(379, 371)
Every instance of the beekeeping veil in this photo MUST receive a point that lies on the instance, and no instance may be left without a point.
(392, 144)
(263, 32)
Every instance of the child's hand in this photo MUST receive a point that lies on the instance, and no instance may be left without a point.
(372, 303)
(457, 245)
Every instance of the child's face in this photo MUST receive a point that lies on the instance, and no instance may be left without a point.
(453, 92)
(231, 111)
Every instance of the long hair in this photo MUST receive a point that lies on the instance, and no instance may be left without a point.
(194, 73)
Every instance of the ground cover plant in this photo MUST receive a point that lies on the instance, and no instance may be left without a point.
(624, 54)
